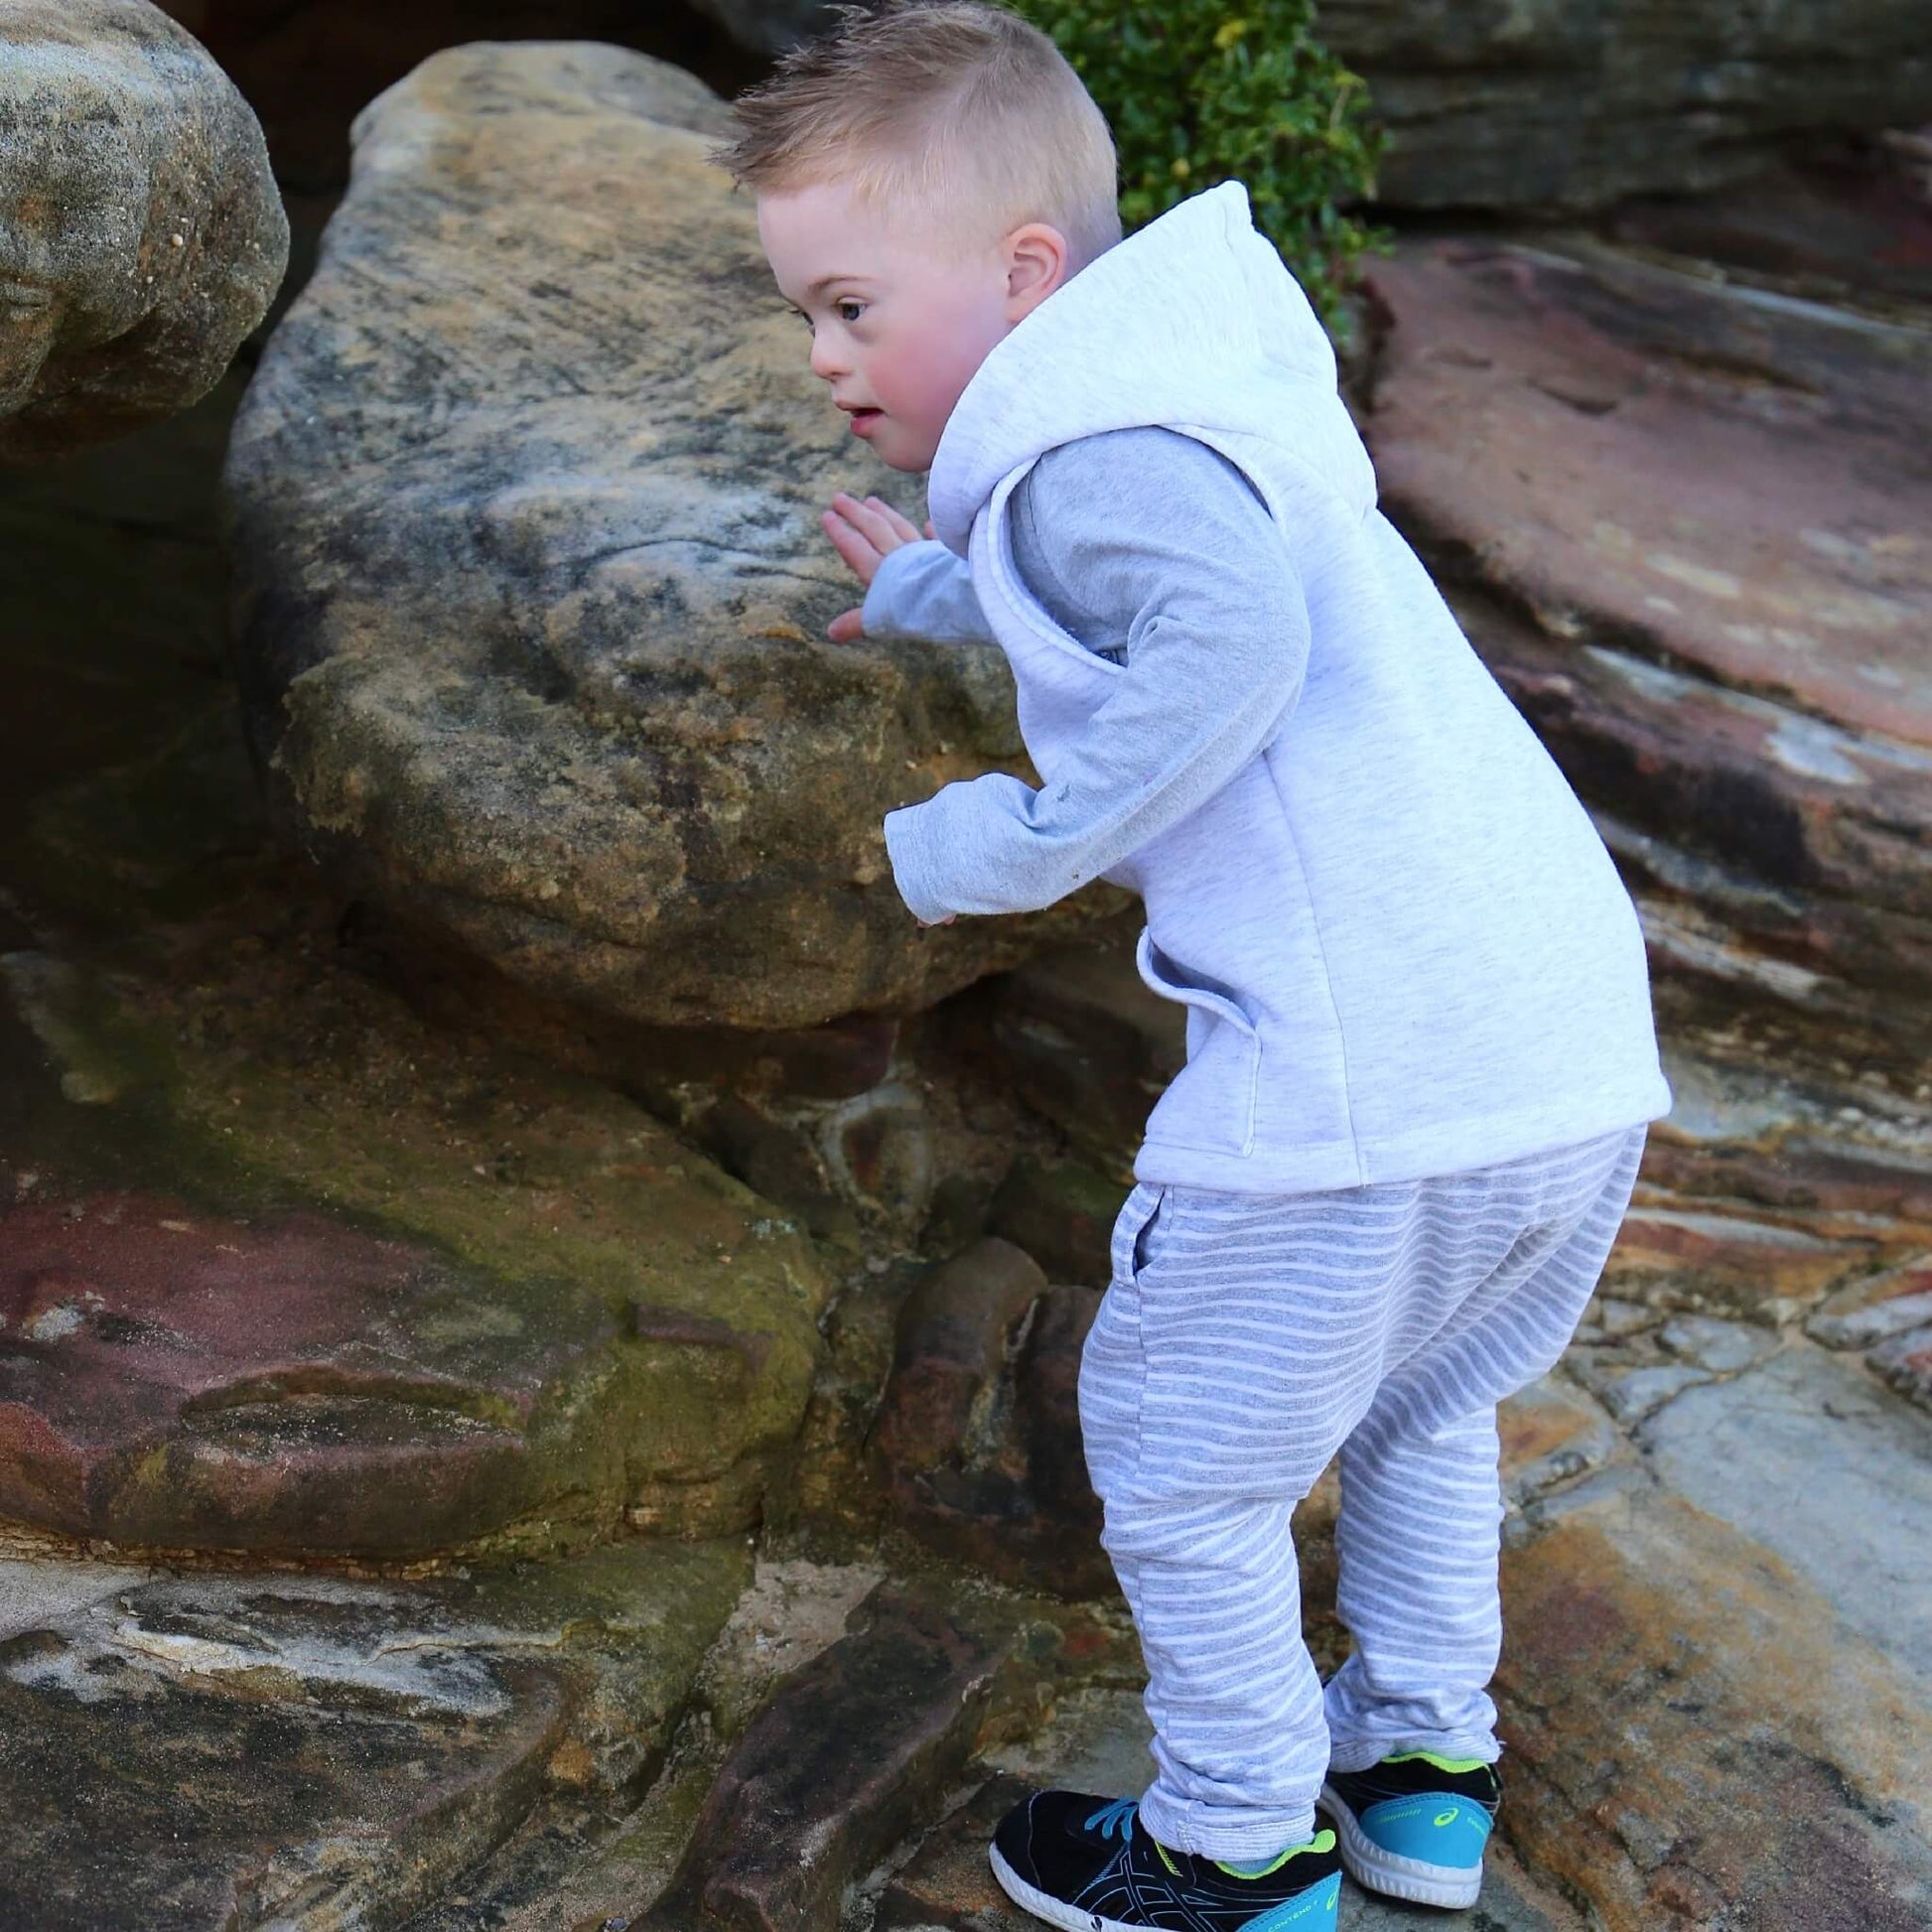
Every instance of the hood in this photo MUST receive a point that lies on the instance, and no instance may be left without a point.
(1194, 320)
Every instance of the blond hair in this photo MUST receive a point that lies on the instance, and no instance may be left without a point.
(959, 110)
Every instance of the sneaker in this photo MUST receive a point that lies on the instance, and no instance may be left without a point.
(1414, 1826)
(1086, 1864)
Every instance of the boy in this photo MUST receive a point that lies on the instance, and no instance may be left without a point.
(1420, 1048)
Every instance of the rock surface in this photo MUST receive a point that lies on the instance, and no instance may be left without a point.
(577, 1318)
(1088, 1045)
(173, 1379)
(1495, 105)
(141, 236)
(843, 1761)
(206, 1752)
(978, 1435)
(532, 589)
(1695, 1737)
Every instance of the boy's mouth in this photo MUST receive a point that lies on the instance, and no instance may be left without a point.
(864, 419)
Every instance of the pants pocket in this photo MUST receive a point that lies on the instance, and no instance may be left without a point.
(1134, 1231)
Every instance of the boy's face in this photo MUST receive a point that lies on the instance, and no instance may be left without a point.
(900, 318)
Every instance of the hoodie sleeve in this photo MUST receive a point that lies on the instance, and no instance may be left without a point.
(1154, 551)
(922, 589)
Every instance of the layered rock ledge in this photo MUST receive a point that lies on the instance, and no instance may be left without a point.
(531, 587)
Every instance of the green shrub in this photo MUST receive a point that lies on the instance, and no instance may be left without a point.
(1202, 91)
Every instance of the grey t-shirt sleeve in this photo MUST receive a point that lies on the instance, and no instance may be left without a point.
(922, 589)
(1106, 528)
(1146, 544)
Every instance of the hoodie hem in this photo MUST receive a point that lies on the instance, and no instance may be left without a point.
(1459, 1146)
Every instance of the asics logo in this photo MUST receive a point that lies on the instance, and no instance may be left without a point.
(1445, 1818)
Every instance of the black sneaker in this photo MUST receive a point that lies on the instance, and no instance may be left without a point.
(1414, 1826)
(1085, 1863)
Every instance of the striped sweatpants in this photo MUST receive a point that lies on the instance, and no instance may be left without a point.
(1245, 1340)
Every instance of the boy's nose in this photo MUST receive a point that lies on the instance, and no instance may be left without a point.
(826, 359)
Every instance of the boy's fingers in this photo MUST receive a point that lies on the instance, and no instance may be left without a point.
(847, 627)
(930, 531)
(901, 526)
(871, 519)
(858, 550)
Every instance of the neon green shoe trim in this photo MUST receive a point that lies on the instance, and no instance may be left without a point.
(1164, 1860)
(1320, 1842)
(1451, 1764)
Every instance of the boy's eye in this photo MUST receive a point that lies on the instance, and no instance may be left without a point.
(849, 311)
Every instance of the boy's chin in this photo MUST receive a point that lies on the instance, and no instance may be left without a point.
(897, 450)
(894, 458)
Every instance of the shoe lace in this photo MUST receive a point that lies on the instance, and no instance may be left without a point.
(1118, 1815)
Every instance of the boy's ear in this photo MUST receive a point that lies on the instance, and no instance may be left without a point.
(1035, 267)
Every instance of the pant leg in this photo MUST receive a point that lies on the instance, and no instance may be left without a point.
(1418, 1533)
(1238, 1345)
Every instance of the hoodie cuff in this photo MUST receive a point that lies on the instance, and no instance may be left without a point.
(908, 844)
(922, 589)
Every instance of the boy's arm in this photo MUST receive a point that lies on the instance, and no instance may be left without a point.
(1148, 541)
(922, 589)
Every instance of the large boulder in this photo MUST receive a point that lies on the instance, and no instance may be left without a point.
(531, 587)
(141, 236)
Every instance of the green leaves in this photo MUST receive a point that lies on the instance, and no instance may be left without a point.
(1199, 92)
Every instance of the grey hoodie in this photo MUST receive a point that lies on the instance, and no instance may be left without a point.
(1403, 949)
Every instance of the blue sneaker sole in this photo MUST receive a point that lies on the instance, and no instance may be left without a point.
(1314, 1911)
(1413, 1879)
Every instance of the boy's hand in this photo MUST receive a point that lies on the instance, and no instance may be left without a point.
(864, 534)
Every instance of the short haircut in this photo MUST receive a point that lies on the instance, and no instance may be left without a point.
(950, 106)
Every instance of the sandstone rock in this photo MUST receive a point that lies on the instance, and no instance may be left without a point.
(841, 1762)
(1870, 1311)
(1063, 1213)
(1550, 1433)
(1492, 106)
(1632, 1391)
(1803, 1454)
(582, 1319)
(1719, 1346)
(978, 1436)
(1905, 1361)
(173, 1379)
(1695, 1735)
(1088, 1044)
(1683, 520)
(948, 1886)
(531, 587)
(1698, 1263)
(952, 1335)
(1850, 223)
(143, 236)
(1843, 1161)
(217, 1750)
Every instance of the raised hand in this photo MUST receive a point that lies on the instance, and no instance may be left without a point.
(864, 534)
